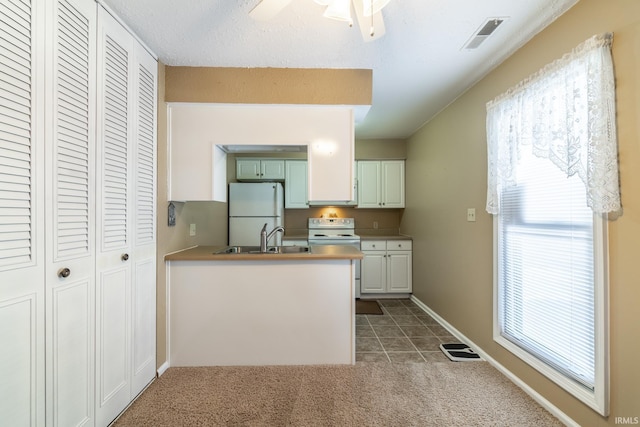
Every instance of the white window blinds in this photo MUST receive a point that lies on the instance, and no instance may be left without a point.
(546, 301)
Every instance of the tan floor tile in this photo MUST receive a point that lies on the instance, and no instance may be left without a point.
(388, 331)
(426, 343)
(368, 344)
(380, 320)
(396, 344)
(407, 320)
(364, 331)
(416, 331)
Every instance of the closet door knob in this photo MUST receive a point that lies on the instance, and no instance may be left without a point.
(64, 272)
(125, 257)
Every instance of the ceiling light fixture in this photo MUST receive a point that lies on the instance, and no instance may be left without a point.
(341, 10)
(368, 13)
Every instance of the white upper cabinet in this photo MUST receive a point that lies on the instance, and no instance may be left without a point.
(381, 184)
(259, 169)
(295, 184)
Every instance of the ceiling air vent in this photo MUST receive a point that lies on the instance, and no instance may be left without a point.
(485, 30)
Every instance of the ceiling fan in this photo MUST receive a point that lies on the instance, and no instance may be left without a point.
(368, 13)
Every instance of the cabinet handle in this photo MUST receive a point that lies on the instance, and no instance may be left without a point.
(125, 257)
(64, 272)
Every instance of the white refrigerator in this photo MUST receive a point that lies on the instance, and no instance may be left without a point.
(251, 206)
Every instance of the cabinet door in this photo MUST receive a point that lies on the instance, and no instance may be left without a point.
(248, 169)
(392, 184)
(369, 184)
(373, 273)
(144, 211)
(399, 271)
(295, 184)
(272, 169)
(114, 192)
(70, 223)
(22, 262)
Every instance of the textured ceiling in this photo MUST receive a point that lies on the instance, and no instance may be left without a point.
(419, 66)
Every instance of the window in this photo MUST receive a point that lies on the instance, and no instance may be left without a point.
(552, 178)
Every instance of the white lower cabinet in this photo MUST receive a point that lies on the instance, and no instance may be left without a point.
(386, 266)
(295, 184)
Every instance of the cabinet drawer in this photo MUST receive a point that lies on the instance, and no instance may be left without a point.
(373, 245)
(398, 245)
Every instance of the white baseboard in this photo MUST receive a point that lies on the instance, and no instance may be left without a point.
(163, 368)
(564, 418)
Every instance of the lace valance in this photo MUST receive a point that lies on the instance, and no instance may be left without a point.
(564, 113)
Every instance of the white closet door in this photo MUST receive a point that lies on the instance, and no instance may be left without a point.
(114, 193)
(22, 384)
(70, 219)
(144, 252)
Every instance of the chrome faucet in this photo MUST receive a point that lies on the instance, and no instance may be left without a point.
(264, 237)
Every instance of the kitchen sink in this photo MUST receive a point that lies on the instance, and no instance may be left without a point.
(289, 249)
(270, 250)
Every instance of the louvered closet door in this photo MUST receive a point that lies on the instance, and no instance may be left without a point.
(22, 263)
(144, 252)
(115, 219)
(70, 217)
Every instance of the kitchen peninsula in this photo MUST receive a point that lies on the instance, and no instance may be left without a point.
(262, 309)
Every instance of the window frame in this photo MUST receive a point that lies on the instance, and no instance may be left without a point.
(598, 398)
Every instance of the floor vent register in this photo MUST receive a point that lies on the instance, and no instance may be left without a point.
(459, 352)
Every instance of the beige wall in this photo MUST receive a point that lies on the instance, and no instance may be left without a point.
(269, 85)
(446, 174)
(375, 149)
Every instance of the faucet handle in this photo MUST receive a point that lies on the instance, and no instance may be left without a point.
(264, 228)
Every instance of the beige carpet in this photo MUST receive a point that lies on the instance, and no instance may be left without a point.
(366, 394)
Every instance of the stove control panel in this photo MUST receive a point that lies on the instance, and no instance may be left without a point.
(331, 223)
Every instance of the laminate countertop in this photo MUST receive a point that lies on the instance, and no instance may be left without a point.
(319, 252)
(384, 237)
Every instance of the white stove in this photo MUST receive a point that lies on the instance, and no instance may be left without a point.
(336, 231)
(333, 231)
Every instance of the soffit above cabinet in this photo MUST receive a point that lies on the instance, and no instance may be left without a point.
(311, 87)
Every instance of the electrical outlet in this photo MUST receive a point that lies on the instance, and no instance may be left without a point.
(471, 214)
(375, 225)
(192, 229)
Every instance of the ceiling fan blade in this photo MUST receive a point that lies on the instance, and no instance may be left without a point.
(365, 22)
(267, 9)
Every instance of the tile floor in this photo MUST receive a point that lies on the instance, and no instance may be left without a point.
(403, 334)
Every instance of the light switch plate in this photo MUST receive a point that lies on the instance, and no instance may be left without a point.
(471, 214)
(192, 229)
